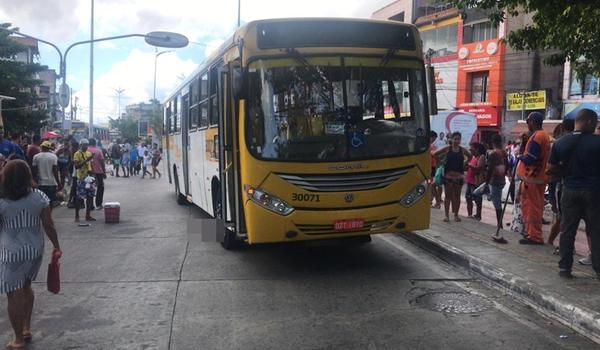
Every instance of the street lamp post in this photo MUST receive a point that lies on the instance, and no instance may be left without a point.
(156, 54)
(119, 91)
(158, 39)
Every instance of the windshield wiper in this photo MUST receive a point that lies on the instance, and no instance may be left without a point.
(387, 57)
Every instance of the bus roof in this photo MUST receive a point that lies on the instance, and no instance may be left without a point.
(306, 34)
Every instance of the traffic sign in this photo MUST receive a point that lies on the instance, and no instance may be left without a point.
(64, 95)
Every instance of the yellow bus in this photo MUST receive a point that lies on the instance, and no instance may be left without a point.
(305, 129)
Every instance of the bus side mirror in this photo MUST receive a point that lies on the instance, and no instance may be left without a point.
(431, 92)
(238, 81)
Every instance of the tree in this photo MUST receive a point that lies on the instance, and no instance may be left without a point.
(127, 127)
(17, 79)
(156, 119)
(569, 26)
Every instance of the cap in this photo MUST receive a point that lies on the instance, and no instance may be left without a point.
(46, 144)
(84, 142)
(536, 117)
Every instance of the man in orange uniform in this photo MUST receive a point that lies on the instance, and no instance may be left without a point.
(532, 172)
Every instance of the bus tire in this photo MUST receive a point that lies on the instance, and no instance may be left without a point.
(179, 198)
(231, 242)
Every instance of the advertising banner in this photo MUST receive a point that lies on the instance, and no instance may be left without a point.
(445, 123)
(533, 100)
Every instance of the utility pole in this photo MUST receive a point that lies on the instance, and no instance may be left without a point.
(239, 12)
(119, 91)
(91, 121)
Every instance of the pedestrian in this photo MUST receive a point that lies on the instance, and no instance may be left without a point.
(555, 187)
(147, 162)
(98, 171)
(575, 157)
(156, 157)
(24, 212)
(474, 177)
(18, 150)
(141, 152)
(115, 155)
(63, 152)
(532, 172)
(436, 191)
(82, 160)
(7, 148)
(453, 159)
(73, 173)
(496, 178)
(133, 161)
(45, 170)
(34, 148)
(126, 158)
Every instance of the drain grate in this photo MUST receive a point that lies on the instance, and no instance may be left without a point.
(453, 302)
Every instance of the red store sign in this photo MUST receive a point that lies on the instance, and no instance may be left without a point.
(486, 115)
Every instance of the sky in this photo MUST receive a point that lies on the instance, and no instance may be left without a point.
(128, 64)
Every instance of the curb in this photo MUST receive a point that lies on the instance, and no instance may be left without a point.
(581, 319)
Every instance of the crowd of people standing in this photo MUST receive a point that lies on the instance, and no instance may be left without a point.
(560, 169)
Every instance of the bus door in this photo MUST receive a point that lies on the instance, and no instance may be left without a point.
(228, 156)
(185, 142)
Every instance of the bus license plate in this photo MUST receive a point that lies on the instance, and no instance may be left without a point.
(348, 224)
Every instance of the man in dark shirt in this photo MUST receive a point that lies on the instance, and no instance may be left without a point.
(576, 157)
(34, 148)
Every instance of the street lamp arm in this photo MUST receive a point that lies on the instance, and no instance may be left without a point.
(64, 65)
(38, 39)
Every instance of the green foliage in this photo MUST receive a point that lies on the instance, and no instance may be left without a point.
(17, 79)
(127, 127)
(569, 26)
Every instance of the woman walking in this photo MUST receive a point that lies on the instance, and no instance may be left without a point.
(156, 157)
(24, 210)
(496, 177)
(453, 158)
(475, 177)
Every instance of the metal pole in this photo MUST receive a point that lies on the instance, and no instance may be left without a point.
(239, 12)
(523, 106)
(155, 58)
(91, 123)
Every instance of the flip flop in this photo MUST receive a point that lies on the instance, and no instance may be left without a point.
(446, 220)
(27, 336)
(11, 345)
(499, 240)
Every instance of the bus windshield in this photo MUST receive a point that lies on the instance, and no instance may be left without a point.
(335, 109)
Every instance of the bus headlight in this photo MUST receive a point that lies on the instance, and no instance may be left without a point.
(268, 201)
(414, 195)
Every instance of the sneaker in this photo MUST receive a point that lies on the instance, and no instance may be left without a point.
(565, 274)
(587, 261)
(99, 207)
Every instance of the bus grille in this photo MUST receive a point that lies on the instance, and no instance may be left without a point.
(374, 225)
(346, 182)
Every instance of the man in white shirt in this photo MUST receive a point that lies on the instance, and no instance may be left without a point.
(45, 170)
(440, 142)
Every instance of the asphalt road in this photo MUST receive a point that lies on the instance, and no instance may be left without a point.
(141, 284)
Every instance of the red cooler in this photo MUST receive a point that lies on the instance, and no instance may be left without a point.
(112, 212)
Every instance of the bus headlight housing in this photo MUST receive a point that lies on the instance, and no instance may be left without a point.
(414, 194)
(268, 201)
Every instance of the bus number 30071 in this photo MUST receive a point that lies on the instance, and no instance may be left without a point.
(305, 197)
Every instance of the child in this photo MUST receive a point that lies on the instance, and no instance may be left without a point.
(147, 162)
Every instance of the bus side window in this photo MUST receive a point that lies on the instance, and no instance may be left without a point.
(204, 100)
(214, 104)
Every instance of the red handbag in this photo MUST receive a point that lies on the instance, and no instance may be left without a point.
(54, 273)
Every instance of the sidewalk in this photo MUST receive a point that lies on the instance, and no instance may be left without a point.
(530, 273)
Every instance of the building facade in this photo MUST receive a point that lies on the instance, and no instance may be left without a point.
(475, 71)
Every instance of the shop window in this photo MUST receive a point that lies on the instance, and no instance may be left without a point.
(590, 86)
(477, 32)
(479, 87)
(441, 40)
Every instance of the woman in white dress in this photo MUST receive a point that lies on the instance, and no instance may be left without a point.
(23, 212)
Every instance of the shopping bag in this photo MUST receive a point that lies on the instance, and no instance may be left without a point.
(439, 175)
(53, 281)
(481, 190)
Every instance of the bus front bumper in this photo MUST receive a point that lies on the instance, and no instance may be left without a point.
(264, 226)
